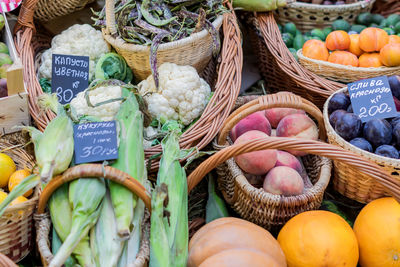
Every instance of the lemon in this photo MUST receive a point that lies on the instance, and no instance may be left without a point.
(16, 178)
(3, 196)
(18, 200)
(7, 167)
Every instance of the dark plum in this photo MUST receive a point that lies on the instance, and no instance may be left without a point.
(387, 151)
(335, 116)
(338, 101)
(394, 121)
(362, 144)
(396, 103)
(350, 109)
(348, 126)
(396, 133)
(394, 83)
(378, 132)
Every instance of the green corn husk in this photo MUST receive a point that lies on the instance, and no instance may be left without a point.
(130, 160)
(85, 197)
(259, 5)
(55, 246)
(215, 207)
(104, 241)
(171, 185)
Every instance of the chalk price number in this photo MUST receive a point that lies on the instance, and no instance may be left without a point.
(98, 150)
(64, 96)
(373, 110)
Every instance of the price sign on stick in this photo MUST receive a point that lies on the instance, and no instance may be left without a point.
(9, 5)
(69, 76)
(372, 99)
(95, 141)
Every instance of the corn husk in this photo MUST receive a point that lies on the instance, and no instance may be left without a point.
(259, 5)
(55, 246)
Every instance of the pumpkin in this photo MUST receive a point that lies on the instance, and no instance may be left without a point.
(373, 39)
(343, 58)
(355, 45)
(377, 228)
(390, 55)
(338, 40)
(315, 49)
(232, 233)
(318, 238)
(394, 39)
(239, 258)
(370, 60)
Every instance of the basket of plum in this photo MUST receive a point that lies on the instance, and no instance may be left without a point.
(377, 140)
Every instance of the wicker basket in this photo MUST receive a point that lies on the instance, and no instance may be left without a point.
(226, 89)
(16, 223)
(386, 7)
(342, 73)
(6, 262)
(43, 221)
(195, 50)
(50, 9)
(348, 181)
(308, 16)
(280, 69)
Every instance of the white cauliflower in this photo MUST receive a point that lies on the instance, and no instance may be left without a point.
(182, 94)
(105, 112)
(78, 40)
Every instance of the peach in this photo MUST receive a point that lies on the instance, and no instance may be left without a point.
(255, 121)
(286, 159)
(283, 180)
(297, 126)
(274, 115)
(257, 162)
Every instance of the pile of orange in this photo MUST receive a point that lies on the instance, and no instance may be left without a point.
(373, 47)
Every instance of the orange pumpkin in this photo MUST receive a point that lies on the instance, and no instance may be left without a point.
(373, 39)
(318, 238)
(390, 55)
(394, 39)
(338, 40)
(377, 228)
(355, 45)
(315, 49)
(343, 58)
(370, 60)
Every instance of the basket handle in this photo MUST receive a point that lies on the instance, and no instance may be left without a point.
(25, 17)
(309, 146)
(278, 100)
(110, 17)
(89, 171)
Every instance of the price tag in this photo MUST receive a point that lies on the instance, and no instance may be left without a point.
(95, 141)
(372, 99)
(9, 5)
(69, 76)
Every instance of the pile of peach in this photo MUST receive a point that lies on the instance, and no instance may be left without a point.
(373, 47)
(279, 172)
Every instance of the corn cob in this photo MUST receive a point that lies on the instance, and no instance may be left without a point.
(55, 246)
(130, 160)
(85, 197)
(104, 241)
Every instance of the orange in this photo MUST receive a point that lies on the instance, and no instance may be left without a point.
(16, 178)
(7, 167)
(3, 196)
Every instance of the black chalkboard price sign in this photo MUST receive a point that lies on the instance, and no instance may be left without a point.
(69, 76)
(95, 141)
(372, 99)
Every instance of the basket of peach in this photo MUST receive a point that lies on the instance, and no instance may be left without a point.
(347, 57)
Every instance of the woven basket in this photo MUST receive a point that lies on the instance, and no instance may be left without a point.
(280, 69)
(50, 9)
(6, 262)
(16, 223)
(42, 218)
(347, 180)
(309, 16)
(386, 7)
(226, 89)
(195, 50)
(342, 73)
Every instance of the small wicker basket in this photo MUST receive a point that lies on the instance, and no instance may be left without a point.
(349, 181)
(280, 69)
(16, 223)
(42, 218)
(6, 262)
(308, 16)
(50, 9)
(342, 73)
(386, 7)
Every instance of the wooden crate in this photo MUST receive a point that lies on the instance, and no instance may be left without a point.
(13, 108)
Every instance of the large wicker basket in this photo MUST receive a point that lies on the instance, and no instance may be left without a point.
(308, 16)
(16, 223)
(280, 69)
(342, 73)
(42, 218)
(226, 88)
(6, 262)
(386, 7)
(50, 9)
(349, 181)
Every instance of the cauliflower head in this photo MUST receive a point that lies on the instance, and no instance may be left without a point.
(182, 94)
(78, 40)
(104, 112)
